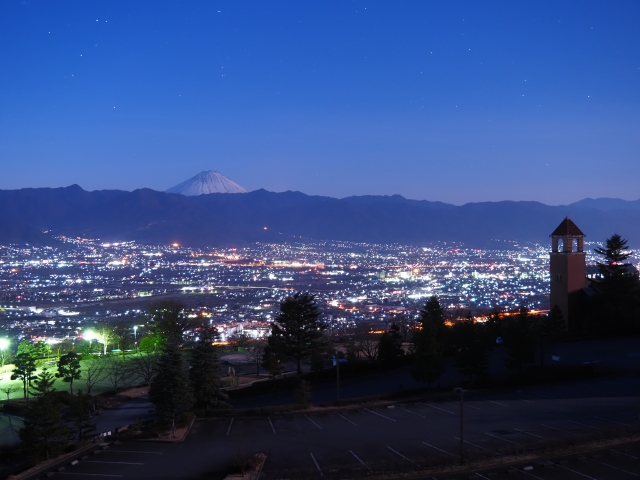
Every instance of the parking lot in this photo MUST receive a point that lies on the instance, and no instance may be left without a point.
(407, 437)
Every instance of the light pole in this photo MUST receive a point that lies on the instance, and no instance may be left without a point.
(461, 392)
(135, 336)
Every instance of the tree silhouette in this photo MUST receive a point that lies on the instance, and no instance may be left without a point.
(390, 346)
(429, 343)
(169, 390)
(298, 327)
(203, 373)
(69, 369)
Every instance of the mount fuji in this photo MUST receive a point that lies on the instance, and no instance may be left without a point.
(207, 182)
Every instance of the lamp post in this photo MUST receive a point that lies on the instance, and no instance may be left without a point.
(135, 336)
(461, 392)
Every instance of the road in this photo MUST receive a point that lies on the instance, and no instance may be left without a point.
(407, 437)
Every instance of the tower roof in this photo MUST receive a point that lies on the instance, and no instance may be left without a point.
(567, 228)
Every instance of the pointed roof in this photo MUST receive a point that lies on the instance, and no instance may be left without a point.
(567, 228)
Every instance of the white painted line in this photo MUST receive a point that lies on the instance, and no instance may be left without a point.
(530, 474)
(611, 421)
(622, 453)
(482, 476)
(342, 416)
(317, 466)
(636, 416)
(477, 446)
(497, 403)
(558, 429)
(87, 474)
(379, 414)
(573, 471)
(615, 468)
(529, 433)
(439, 449)
(271, 423)
(525, 400)
(230, 423)
(437, 408)
(308, 418)
(358, 458)
(500, 438)
(543, 396)
(121, 463)
(398, 453)
(584, 425)
(129, 451)
(409, 411)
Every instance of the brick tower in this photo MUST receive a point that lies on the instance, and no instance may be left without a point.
(568, 270)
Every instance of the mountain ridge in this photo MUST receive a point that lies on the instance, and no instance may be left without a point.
(220, 219)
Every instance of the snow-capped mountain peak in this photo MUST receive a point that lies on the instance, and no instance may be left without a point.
(207, 182)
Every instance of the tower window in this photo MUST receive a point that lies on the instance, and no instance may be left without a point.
(559, 277)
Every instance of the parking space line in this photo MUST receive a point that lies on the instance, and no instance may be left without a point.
(622, 453)
(636, 416)
(309, 418)
(409, 411)
(379, 414)
(611, 421)
(230, 423)
(558, 429)
(477, 446)
(120, 463)
(500, 438)
(439, 449)
(437, 408)
(358, 458)
(317, 466)
(530, 474)
(584, 425)
(342, 416)
(271, 423)
(615, 468)
(529, 433)
(482, 476)
(574, 471)
(130, 451)
(497, 403)
(524, 399)
(398, 453)
(544, 396)
(87, 474)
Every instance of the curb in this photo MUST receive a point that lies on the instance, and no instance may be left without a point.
(43, 466)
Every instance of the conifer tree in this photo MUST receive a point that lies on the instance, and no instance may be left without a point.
(390, 346)
(298, 327)
(24, 366)
(44, 435)
(471, 348)
(273, 356)
(203, 373)
(69, 369)
(429, 343)
(169, 390)
(520, 341)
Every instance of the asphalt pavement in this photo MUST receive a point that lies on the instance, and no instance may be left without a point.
(408, 437)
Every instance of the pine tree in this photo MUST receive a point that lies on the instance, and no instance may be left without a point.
(203, 373)
(273, 357)
(520, 341)
(298, 327)
(169, 390)
(80, 412)
(471, 348)
(553, 323)
(69, 369)
(390, 346)
(429, 343)
(44, 435)
(24, 366)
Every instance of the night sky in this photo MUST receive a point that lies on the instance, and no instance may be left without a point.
(450, 101)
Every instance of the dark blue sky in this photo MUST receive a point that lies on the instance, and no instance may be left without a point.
(451, 101)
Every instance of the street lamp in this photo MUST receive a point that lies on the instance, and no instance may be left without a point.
(135, 336)
(461, 391)
(89, 335)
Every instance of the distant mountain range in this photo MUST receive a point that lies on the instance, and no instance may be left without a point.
(220, 219)
(207, 182)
